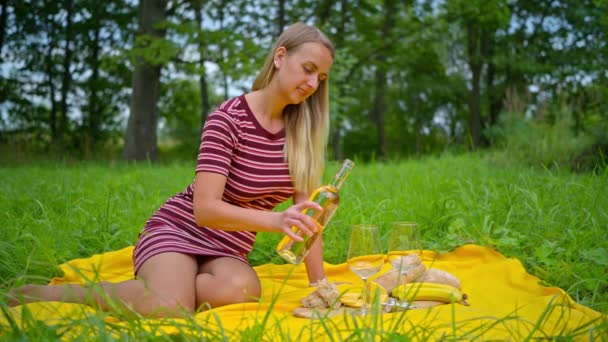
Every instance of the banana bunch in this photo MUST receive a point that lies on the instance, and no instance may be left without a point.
(430, 291)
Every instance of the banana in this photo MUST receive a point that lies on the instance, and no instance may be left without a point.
(430, 291)
(353, 296)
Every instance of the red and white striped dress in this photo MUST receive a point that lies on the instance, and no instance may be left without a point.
(235, 145)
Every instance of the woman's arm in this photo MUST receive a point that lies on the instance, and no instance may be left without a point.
(314, 262)
(210, 211)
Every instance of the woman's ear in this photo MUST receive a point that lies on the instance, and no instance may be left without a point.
(279, 56)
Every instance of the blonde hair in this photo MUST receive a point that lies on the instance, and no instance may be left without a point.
(307, 123)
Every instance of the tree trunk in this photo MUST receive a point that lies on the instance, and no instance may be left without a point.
(3, 19)
(493, 95)
(418, 139)
(324, 12)
(202, 80)
(205, 105)
(53, 112)
(475, 107)
(379, 109)
(335, 137)
(280, 17)
(223, 52)
(381, 67)
(475, 98)
(50, 78)
(92, 123)
(66, 79)
(140, 138)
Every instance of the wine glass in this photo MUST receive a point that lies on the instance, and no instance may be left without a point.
(403, 240)
(364, 257)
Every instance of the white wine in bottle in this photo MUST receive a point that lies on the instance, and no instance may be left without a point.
(328, 197)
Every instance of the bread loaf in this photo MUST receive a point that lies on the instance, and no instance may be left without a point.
(433, 275)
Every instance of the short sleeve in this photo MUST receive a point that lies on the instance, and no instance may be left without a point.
(218, 142)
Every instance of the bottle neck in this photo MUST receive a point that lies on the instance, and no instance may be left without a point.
(341, 176)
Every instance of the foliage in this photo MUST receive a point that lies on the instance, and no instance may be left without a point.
(538, 142)
(64, 87)
(408, 78)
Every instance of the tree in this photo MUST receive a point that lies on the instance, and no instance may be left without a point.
(380, 75)
(479, 21)
(109, 79)
(408, 77)
(3, 20)
(140, 138)
(204, 91)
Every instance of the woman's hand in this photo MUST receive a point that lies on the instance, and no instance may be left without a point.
(293, 216)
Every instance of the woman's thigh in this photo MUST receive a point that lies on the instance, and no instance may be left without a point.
(169, 277)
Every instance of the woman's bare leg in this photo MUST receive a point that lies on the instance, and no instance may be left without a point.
(165, 287)
(96, 295)
(225, 280)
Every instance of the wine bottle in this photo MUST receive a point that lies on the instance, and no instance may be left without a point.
(328, 197)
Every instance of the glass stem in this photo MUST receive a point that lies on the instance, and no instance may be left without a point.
(400, 271)
(365, 295)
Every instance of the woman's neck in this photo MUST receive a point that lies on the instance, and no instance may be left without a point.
(266, 109)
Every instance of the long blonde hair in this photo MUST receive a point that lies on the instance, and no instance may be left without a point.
(307, 123)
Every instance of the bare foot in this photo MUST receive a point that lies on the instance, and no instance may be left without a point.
(31, 294)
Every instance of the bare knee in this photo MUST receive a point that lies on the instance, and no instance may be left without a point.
(245, 289)
(218, 290)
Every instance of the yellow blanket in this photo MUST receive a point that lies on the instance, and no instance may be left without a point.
(506, 303)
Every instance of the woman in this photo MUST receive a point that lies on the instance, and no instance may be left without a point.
(257, 150)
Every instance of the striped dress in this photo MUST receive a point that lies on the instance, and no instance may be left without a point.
(235, 145)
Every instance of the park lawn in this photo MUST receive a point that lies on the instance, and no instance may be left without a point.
(554, 221)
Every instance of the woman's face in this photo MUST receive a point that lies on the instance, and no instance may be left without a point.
(300, 71)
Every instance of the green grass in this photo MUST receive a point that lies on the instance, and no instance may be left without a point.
(555, 222)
